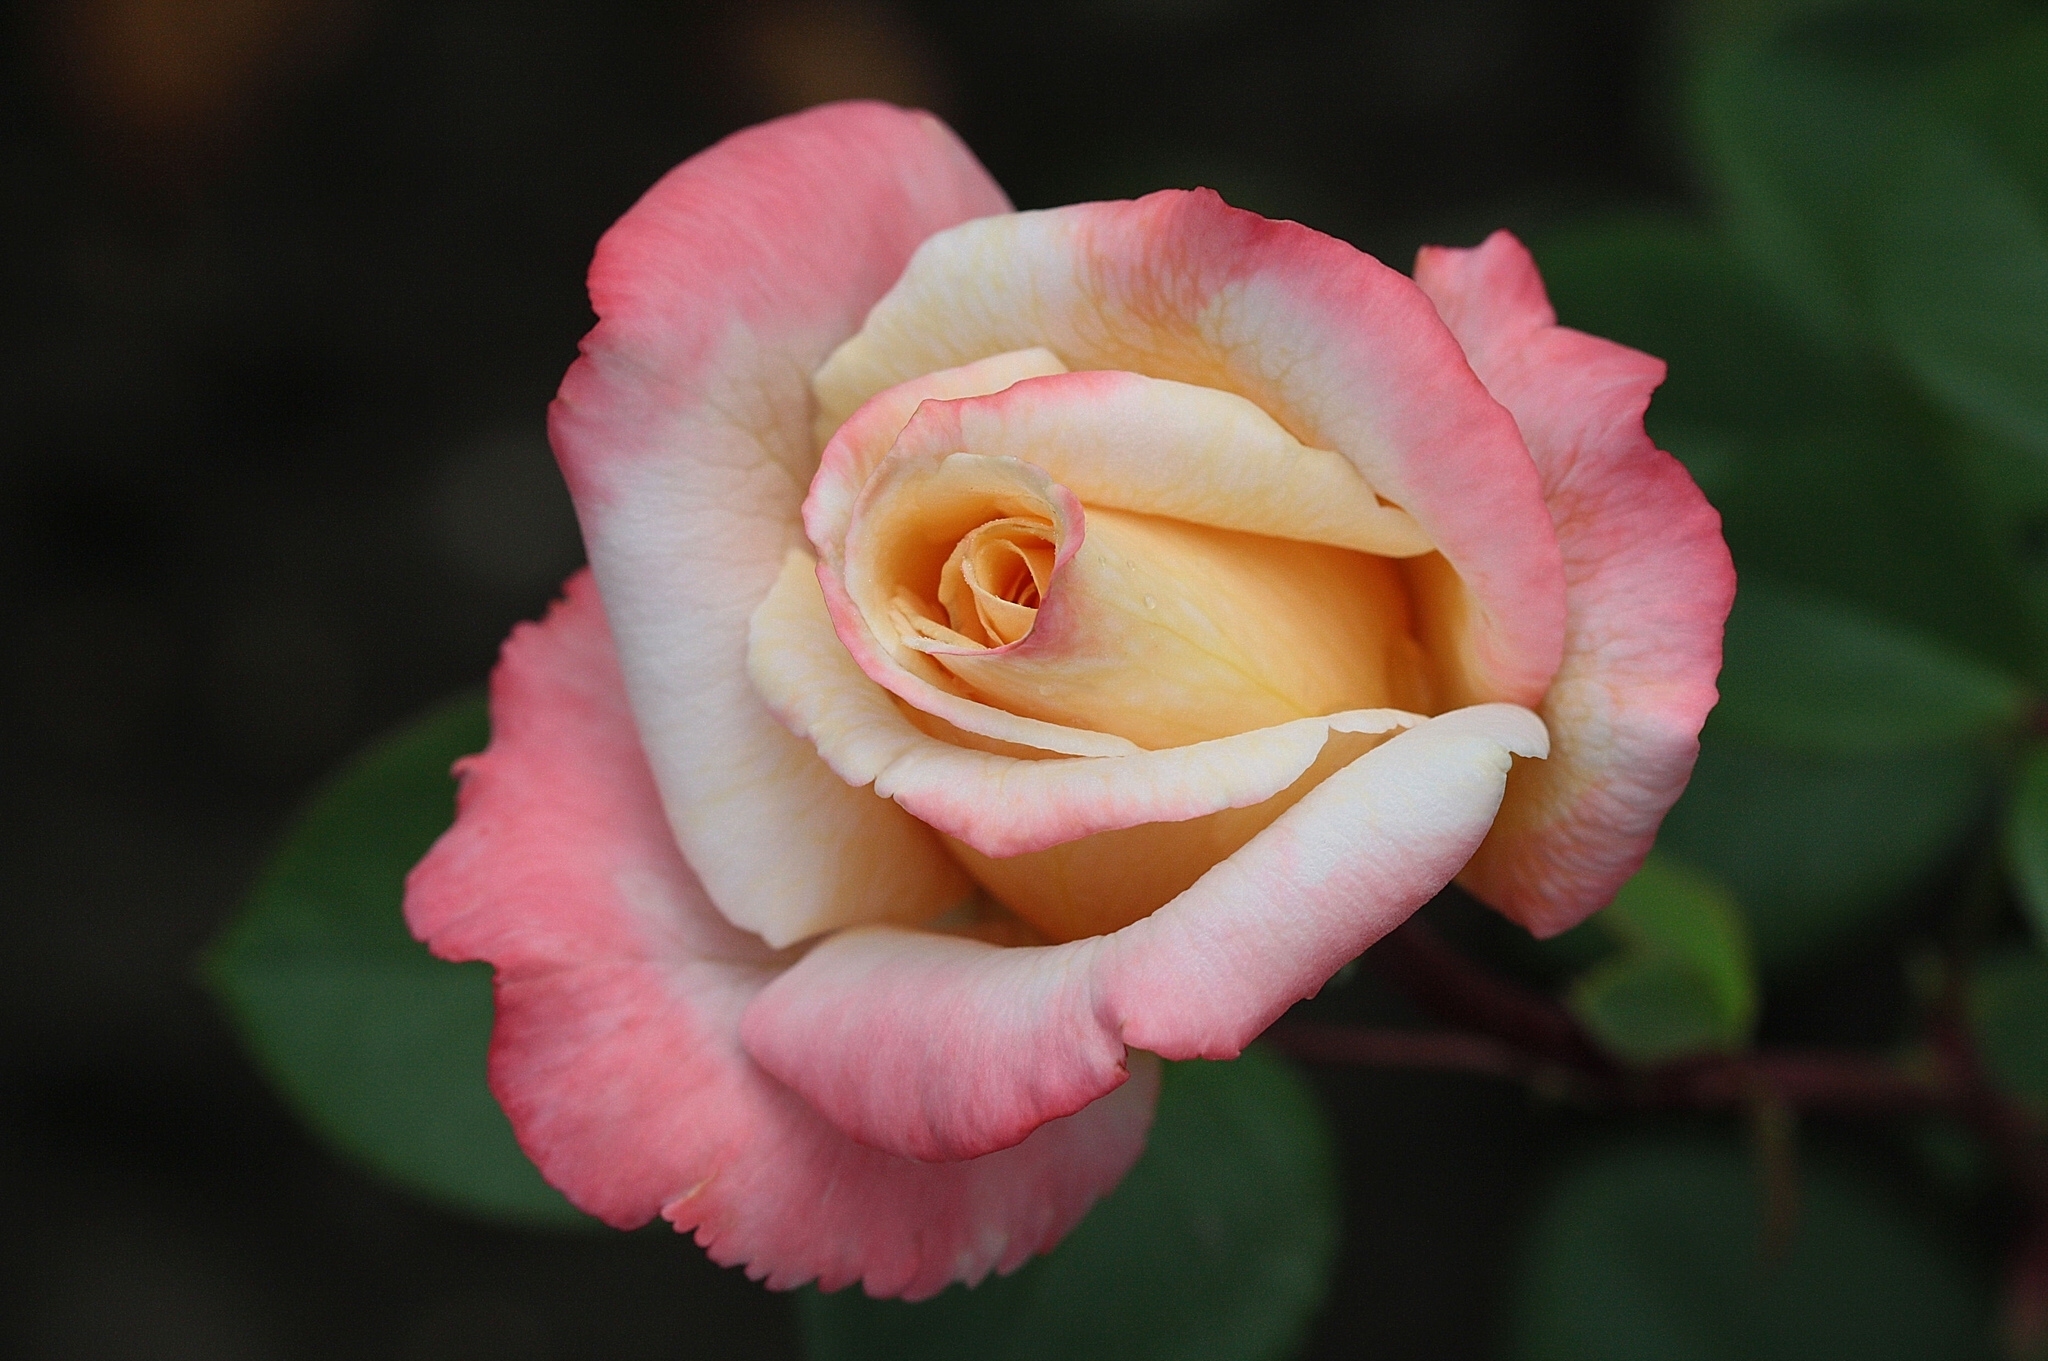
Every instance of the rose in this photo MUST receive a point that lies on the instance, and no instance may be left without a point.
(1184, 579)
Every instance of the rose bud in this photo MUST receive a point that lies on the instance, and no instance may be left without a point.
(1019, 647)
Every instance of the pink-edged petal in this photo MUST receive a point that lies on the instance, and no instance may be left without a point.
(1153, 627)
(620, 992)
(1648, 583)
(1186, 452)
(1344, 353)
(1003, 805)
(939, 1048)
(685, 434)
(854, 447)
(1129, 442)
(968, 715)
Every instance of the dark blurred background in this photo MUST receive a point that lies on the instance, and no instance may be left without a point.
(288, 285)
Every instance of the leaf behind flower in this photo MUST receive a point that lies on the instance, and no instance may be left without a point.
(1217, 1246)
(379, 1046)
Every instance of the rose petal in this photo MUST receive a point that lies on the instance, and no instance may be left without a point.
(943, 1048)
(620, 990)
(1161, 631)
(1648, 581)
(864, 437)
(1130, 442)
(684, 431)
(999, 804)
(1344, 353)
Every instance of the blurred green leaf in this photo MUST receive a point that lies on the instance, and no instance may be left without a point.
(1653, 1249)
(1776, 145)
(1683, 982)
(1885, 221)
(1672, 288)
(1819, 848)
(379, 1046)
(1807, 673)
(2008, 1007)
(1895, 28)
(1218, 1245)
(1997, 88)
(1870, 506)
(1957, 257)
(2026, 841)
(1829, 476)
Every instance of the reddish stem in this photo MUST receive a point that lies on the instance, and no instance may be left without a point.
(1513, 1032)
(2026, 1295)
(1807, 1079)
(1802, 1079)
(1444, 981)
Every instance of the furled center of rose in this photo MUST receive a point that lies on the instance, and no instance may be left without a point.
(1073, 562)
(992, 584)
(1156, 630)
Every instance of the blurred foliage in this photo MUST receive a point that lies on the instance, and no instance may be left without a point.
(2026, 841)
(1803, 673)
(1655, 1248)
(1683, 982)
(379, 1045)
(1219, 1244)
(2008, 1009)
(1858, 342)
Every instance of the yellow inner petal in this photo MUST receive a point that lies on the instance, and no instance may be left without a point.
(1165, 632)
(991, 580)
(1105, 882)
(994, 580)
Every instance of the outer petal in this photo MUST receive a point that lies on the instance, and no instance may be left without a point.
(620, 991)
(941, 1048)
(1345, 353)
(684, 431)
(1648, 583)
(1004, 805)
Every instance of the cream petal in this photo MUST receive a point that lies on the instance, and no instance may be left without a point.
(684, 433)
(808, 642)
(855, 443)
(1000, 804)
(945, 1048)
(1198, 454)
(1169, 633)
(1156, 630)
(1343, 352)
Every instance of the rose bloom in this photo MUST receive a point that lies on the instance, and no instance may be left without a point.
(1020, 647)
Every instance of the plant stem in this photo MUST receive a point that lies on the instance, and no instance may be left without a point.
(1445, 981)
(1506, 1030)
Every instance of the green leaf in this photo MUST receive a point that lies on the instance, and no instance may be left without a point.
(1957, 257)
(1819, 848)
(1217, 1246)
(1672, 288)
(2026, 841)
(1807, 673)
(1885, 221)
(1867, 504)
(1995, 88)
(1829, 474)
(379, 1046)
(1683, 983)
(1769, 143)
(1653, 1249)
(2008, 1007)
